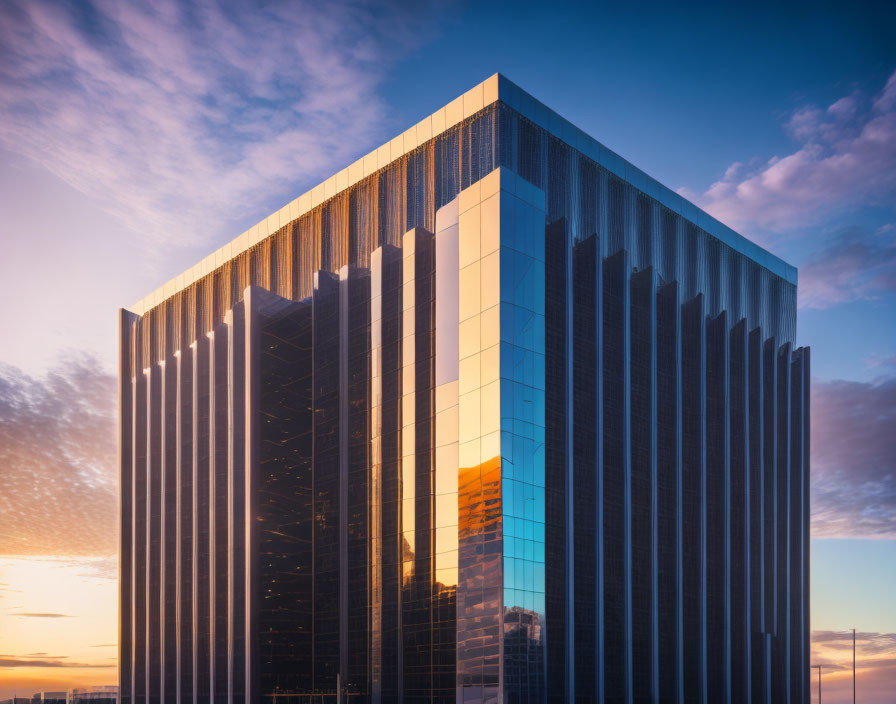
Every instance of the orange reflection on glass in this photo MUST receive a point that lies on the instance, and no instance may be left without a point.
(479, 499)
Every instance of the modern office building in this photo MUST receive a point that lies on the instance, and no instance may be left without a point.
(488, 416)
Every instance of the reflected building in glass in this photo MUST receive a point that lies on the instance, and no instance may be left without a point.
(488, 416)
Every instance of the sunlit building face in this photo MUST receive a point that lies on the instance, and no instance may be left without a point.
(488, 416)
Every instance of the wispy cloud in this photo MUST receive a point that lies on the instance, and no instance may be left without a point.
(57, 450)
(846, 158)
(854, 265)
(854, 459)
(185, 116)
(20, 662)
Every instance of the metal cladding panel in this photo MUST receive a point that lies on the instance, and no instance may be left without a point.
(795, 557)
(219, 520)
(138, 532)
(557, 515)
(693, 455)
(668, 493)
(126, 503)
(168, 542)
(587, 466)
(616, 614)
(384, 493)
(202, 566)
(717, 499)
(236, 505)
(643, 483)
(354, 351)
(781, 643)
(417, 451)
(769, 489)
(739, 507)
(757, 601)
(152, 501)
(185, 526)
(325, 478)
(804, 406)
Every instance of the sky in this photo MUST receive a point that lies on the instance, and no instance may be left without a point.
(137, 137)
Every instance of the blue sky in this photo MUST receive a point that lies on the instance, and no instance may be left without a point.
(134, 139)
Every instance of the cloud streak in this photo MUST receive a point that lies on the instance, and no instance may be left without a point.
(854, 459)
(184, 117)
(41, 615)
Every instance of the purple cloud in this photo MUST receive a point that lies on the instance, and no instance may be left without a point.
(846, 157)
(854, 459)
(875, 656)
(185, 118)
(852, 266)
(16, 662)
(57, 448)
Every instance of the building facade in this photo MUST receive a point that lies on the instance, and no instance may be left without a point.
(488, 416)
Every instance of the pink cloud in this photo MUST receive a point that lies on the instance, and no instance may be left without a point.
(185, 118)
(852, 266)
(853, 459)
(846, 158)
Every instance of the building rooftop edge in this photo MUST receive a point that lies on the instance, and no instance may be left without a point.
(493, 89)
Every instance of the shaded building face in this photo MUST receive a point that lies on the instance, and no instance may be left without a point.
(500, 420)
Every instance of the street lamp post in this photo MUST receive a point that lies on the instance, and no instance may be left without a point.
(853, 666)
(819, 681)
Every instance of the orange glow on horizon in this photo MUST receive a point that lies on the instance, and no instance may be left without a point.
(60, 613)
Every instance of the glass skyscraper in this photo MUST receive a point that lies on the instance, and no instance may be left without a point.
(488, 416)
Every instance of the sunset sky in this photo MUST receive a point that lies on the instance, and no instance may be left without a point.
(135, 138)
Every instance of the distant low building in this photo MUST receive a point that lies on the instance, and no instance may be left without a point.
(105, 694)
(50, 697)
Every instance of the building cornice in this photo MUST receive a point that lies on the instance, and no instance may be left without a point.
(493, 89)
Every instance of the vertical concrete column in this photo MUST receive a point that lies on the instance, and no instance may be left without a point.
(184, 526)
